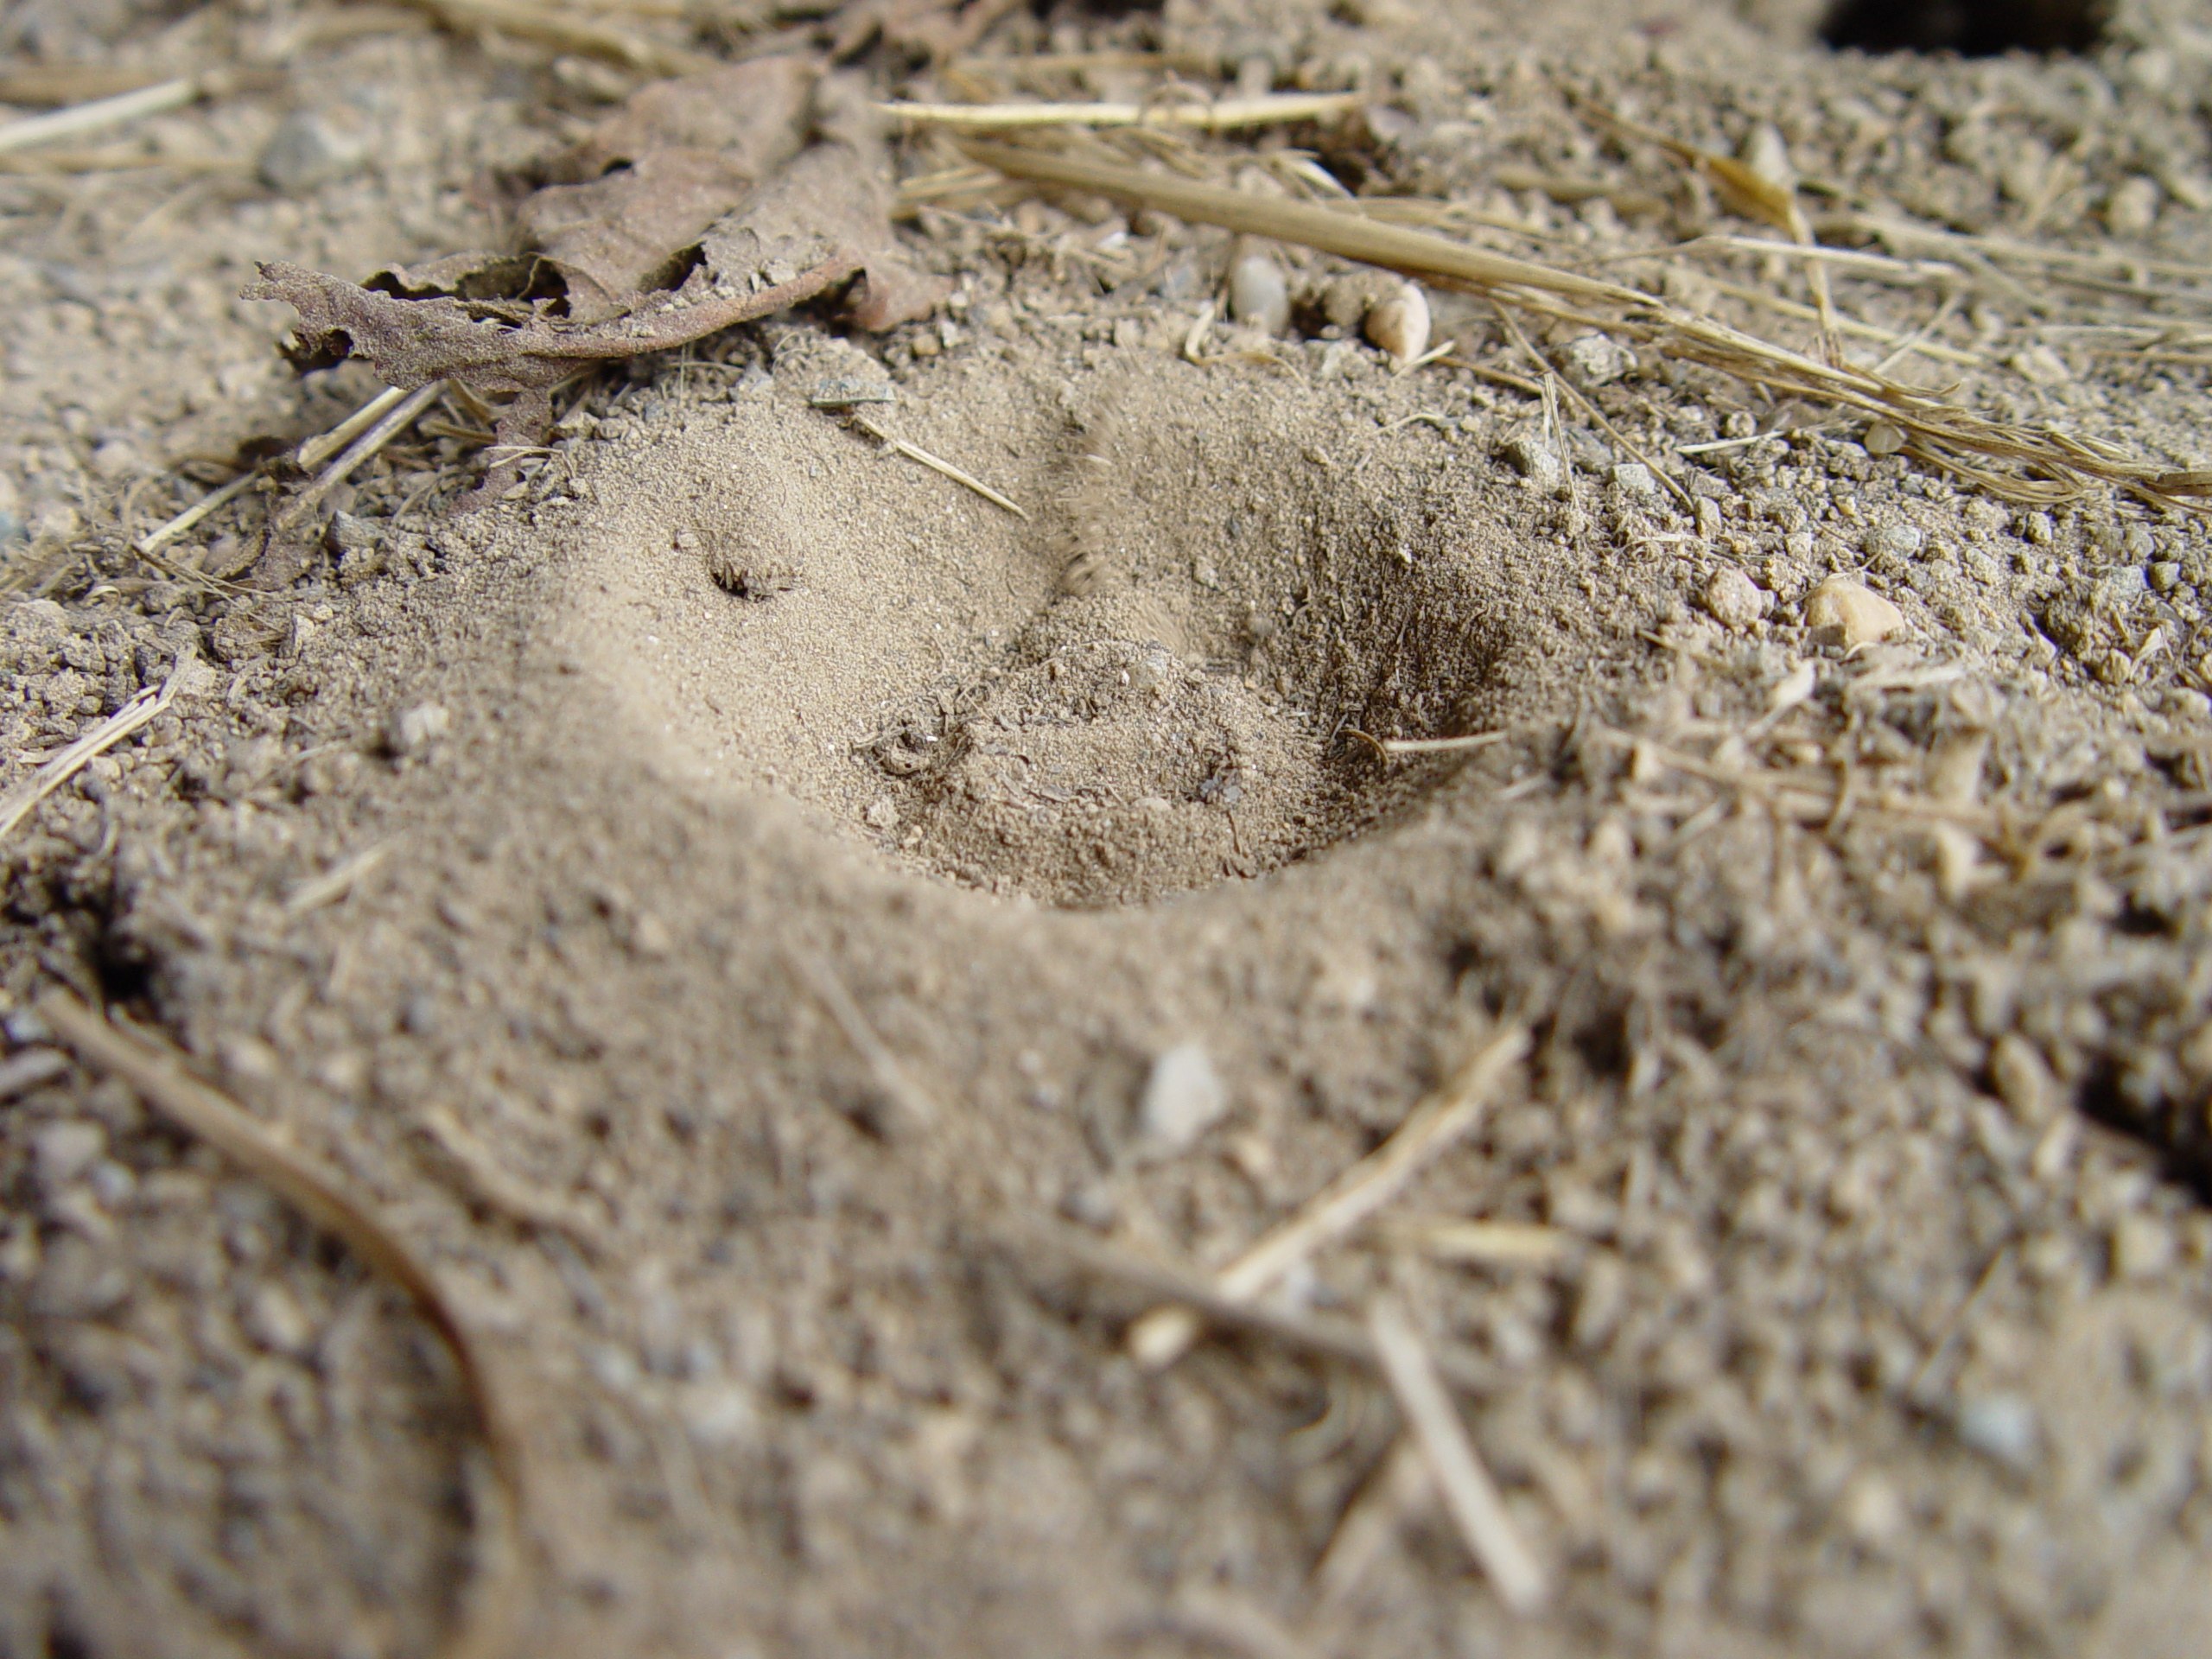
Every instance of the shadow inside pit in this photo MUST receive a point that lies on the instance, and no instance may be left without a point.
(1970, 28)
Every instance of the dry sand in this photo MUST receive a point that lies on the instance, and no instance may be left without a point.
(727, 993)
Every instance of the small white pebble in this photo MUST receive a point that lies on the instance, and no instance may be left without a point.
(275, 1320)
(1398, 322)
(2142, 1247)
(1855, 613)
(1734, 599)
(1258, 297)
(1884, 439)
(1183, 1098)
(2001, 1426)
(65, 1151)
(413, 730)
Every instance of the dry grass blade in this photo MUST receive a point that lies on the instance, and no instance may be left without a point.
(1324, 1334)
(1223, 115)
(1352, 236)
(59, 769)
(1443, 745)
(395, 421)
(82, 119)
(1944, 432)
(916, 1110)
(1454, 1463)
(49, 85)
(551, 28)
(159, 1076)
(1486, 1243)
(1751, 194)
(1369, 1522)
(314, 451)
(1165, 1334)
(161, 535)
(938, 464)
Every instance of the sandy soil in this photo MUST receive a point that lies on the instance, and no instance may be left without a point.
(752, 913)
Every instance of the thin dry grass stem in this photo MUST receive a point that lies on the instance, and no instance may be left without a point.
(1946, 433)
(1905, 233)
(1858, 262)
(1213, 115)
(1442, 745)
(115, 158)
(548, 26)
(335, 882)
(1487, 1244)
(102, 112)
(65, 764)
(314, 451)
(1370, 1521)
(1034, 66)
(1568, 189)
(938, 464)
(1164, 1335)
(1424, 214)
(1498, 377)
(916, 1109)
(1818, 801)
(160, 1077)
(1850, 327)
(161, 535)
(395, 420)
(1955, 1325)
(527, 1203)
(1554, 379)
(1327, 1335)
(1465, 1485)
(1748, 193)
(56, 84)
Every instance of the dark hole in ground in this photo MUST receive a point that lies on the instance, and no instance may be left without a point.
(1972, 27)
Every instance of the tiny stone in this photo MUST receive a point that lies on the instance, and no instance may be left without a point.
(2037, 530)
(1883, 439)
(1398, 323)
(116, 459)
(1708, 518)
(1258, 296)
(63, 1151)
(882, 814)
(1633, 477)
(1855, 613)
(2142, 1247)
(1893, 540)
(2022, 1080)
(2133, 208)
(2122, 586)
(307, 151)
(2165, 575)
(1595, 359)
(413, 730)
(1732, 598)
(1183, 1098)
(1536, 460)
(2001, 1426)
(275, 1320)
